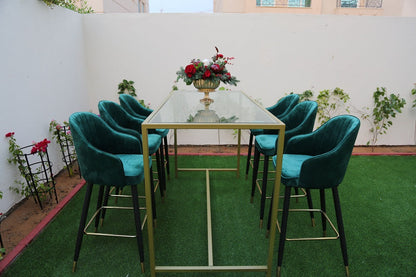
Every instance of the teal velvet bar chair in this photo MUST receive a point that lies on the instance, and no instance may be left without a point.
(120, 120)
(107, 158)
(318, 161)
(299, 120)
(133, 107)
(279, 110)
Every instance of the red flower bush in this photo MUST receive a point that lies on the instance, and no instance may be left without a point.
(40, 146)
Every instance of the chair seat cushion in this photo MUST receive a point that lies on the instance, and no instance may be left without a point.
(266, 144)
(133, 167)
(291, 167)
(154, 143)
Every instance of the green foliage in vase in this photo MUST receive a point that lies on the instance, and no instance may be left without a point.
(385, 108)
(79, 6)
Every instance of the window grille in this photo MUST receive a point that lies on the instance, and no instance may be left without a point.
(284, 3)
(359, 3)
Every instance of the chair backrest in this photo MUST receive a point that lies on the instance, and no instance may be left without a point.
(133, 107)
(119, 119)
(331, 147)
(284, 105)
(95, 144)
(301, 119)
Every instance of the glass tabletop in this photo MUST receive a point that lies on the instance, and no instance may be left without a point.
(186, 107)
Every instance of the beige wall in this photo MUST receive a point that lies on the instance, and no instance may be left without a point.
(390, 8)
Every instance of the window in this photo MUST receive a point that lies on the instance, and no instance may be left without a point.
(283, 3)
(359, 3)
(265, 3)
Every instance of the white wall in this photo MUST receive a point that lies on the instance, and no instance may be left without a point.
(275, 54)
(55, 62)
(42, 77)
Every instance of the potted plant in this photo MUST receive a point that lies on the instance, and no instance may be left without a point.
(206, 74)
(127, 87)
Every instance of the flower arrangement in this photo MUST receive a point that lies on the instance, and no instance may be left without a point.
(213, 70)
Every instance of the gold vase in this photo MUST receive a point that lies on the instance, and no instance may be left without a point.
(206, 86)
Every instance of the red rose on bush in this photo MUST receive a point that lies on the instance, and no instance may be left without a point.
(190, 70)
(9, 134)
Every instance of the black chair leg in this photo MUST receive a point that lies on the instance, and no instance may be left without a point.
(341, 231)
(282, 239)
(323, 208)
(310, 205)
(99, 205)
(162, 164)
(250, 145)
(105, 202)
(269, 220)
(264, 188)
(138, 223)
(165, 140)
(159, 173)
(82, 222)
(255, 172)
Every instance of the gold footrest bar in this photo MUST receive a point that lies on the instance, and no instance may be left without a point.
(210, 169)
(313, 238)
(112, 235)
(257, 268)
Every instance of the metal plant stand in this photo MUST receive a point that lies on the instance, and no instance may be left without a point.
(68, 150)
(37, 171)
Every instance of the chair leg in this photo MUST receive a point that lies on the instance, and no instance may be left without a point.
(310, 205)
(105, 203)
(323, 208)
(152, 191)
(282, 239)
(264, 188)
(159, 166)
(162, 164)
(255, 172)
(138, 223)
(165, 140)
(341, 231)
(82, 224)
(250, 145)
(269, 220)
(99, 205)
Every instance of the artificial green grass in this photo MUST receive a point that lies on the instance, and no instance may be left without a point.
(378, 200)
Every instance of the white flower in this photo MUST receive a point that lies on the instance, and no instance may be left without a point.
(206, 62)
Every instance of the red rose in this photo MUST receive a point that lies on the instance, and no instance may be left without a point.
(190, 70)
(207, 73)
(9, 134)
(220, 56)
(228, 75)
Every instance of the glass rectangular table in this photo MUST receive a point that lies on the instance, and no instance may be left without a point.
(223, 110)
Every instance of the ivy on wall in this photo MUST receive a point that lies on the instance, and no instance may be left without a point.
(79, 6)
